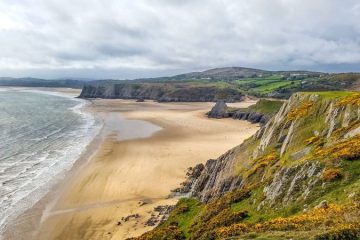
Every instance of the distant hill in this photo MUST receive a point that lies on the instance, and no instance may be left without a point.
(233, 73)
(228, 73)
(37, 82)
(229, 84)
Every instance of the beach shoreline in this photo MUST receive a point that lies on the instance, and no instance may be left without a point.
(114, 175)
(24, 225)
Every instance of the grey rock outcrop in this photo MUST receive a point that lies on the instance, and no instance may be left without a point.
(217, 177)
(219, 110)
(291, 183)
(160, 92)
(192, 175)
(252, 117)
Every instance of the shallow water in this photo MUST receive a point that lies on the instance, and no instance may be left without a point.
(124, 129)
(41, 136)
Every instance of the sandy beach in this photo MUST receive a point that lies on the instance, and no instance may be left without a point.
(130, 171)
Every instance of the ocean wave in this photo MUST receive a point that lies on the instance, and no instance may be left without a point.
(27, 176)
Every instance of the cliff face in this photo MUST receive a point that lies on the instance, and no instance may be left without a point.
(297, 177)
(161, 92)
(253, 117)
(286, 138)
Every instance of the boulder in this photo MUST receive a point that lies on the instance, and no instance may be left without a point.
(219, 110)
(323, 204)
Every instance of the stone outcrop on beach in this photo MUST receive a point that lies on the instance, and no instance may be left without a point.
(220, 110)
(261, 112)
(159, 215)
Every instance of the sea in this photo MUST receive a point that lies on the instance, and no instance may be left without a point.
(42, 134)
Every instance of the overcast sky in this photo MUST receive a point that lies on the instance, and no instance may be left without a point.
(143, 38)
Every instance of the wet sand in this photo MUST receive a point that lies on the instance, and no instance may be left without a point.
(123, 168)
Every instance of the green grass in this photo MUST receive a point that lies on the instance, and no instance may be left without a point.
(339, 191)
(331, 94)
(267, 88)
(269, 107)
(263, 106)
(335, 192)
(191, 208)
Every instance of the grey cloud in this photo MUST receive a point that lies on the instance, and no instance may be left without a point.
(129, 38)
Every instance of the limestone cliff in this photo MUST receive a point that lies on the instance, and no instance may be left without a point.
(296, 178)
(280, 151)
(161, 92)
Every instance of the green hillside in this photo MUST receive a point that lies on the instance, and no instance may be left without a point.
(296, 178)
(230, 84)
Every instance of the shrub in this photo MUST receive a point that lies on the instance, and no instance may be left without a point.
(339, 222)
(343, 232)
(171, 232)
(181, 208)
(263, 161)
(352, 100)
(348, 149)
(331, 174)
(300, 111)
(218, 213)
(312, 140)
(233, 230)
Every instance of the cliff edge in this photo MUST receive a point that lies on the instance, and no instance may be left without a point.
(297, 177)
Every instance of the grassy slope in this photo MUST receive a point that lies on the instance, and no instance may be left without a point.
(266, 107)
(236, 214)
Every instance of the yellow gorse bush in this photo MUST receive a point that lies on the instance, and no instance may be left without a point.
(300, 111)
(326, 218)
(346, 149)
(352, 100)
(331, 174)
(312, 140)
(263, 161)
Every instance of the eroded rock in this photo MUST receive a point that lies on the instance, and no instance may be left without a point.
(219, 110)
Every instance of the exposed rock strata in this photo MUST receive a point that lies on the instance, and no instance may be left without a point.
(252, 117)
(161, 93)
(233, 169)
(221, 110)
(289, 183)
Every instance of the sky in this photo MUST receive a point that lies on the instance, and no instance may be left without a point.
(126, 39)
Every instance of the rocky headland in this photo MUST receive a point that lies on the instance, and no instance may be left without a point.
(298, 177)
(261, 112)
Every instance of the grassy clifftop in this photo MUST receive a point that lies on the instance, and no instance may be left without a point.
(263, 106)
(297, 178)
(228, 84)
